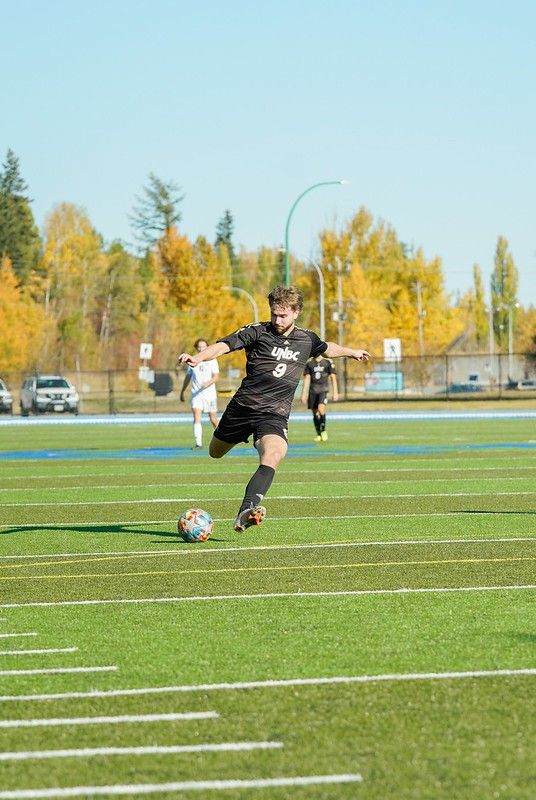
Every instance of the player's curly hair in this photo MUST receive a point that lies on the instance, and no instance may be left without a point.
(289, 296)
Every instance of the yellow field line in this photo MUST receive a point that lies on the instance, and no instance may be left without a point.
(190, 552)
(296, 568)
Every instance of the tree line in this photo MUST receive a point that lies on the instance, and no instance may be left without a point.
(68, 299)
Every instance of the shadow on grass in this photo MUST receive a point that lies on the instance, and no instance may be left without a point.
(494, 512)
(131, 527)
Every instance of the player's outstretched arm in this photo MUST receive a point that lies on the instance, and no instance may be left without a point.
(334, 387)
(338, 351)
(187, 379)
(212, 351)
(305, 390)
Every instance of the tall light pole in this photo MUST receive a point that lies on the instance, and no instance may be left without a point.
(420, 316)
(511, 339)
(249, 297)
(339, 316)
(291, 212)
(321, 299)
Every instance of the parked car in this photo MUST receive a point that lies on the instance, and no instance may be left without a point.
(526, 386)
(461, 388)
(6, 400)
(42, 393)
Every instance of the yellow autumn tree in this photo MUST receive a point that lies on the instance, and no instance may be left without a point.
(196, 282)
(74, 267)
(22, 322)
(387, 292)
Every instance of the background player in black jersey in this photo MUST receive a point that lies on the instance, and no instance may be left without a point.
(319, 373)
(277, 352)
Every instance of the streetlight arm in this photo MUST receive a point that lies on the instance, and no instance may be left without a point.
(291, 212)
(249, 297)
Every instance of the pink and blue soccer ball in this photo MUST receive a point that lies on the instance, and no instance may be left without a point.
(195, 525)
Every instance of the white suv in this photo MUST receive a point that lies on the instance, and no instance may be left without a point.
(6, 401)
(42, 393)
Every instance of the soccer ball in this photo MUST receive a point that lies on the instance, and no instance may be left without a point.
(195, 525)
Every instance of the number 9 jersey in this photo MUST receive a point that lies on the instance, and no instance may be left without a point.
(274, 364)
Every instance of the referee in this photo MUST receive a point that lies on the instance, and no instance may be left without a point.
(276, 354)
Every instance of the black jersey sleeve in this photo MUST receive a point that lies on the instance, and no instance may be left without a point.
(308, 369)
(243, 337)
(317, 345)
(331, 368)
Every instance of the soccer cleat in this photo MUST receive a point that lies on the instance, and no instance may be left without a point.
(318, 438)
(196, 447)
(253, 515)
(324, 436)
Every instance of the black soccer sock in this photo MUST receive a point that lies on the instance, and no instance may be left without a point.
(316, 420)
(258, 485)
(322, 423)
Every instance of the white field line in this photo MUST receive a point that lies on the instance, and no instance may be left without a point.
(118, 554)
(189, 485)
(136, 523)
(38, 652)
(289, 466)
(88, 752)
(266, 596)
(13, 635)
(287, 473)
(195, 499)
(119, 720)
(56, 670)
(275, 684)
(178, 786)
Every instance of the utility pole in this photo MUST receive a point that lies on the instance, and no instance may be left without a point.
(420, 315)
(340, 306)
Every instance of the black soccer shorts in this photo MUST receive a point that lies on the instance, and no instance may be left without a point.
(315, 399)
(239, 422)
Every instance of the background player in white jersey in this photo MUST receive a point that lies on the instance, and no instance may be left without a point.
(203, 378)
(277, 352)
(319, 373)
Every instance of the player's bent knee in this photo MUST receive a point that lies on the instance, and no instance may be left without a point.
(218, 448)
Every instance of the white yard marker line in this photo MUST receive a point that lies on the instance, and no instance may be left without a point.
(118, 555)
(382, 481)
(179, 786)
(288, 473)
(136, 523)
(274, 684)
(88, 752)
(197, 498)
(13, 635)
(38, 652)
(124, 718)
(56, 670)
(312, 545)
(290, 468)
(267, 596)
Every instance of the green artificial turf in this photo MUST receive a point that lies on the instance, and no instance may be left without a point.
(394, 552)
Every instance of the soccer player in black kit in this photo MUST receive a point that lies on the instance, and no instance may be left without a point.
(277, 352)
(319, 372)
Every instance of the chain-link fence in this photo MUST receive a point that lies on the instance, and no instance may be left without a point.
(443, 377)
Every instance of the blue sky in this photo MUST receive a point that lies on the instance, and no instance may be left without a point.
(427, 108)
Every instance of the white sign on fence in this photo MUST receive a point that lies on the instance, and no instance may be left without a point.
(392, 350)
(146, 350)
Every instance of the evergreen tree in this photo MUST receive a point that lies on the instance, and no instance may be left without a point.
(224, 234)
(156, 212)
(19, 237)
(224, 237)
(503, 291)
